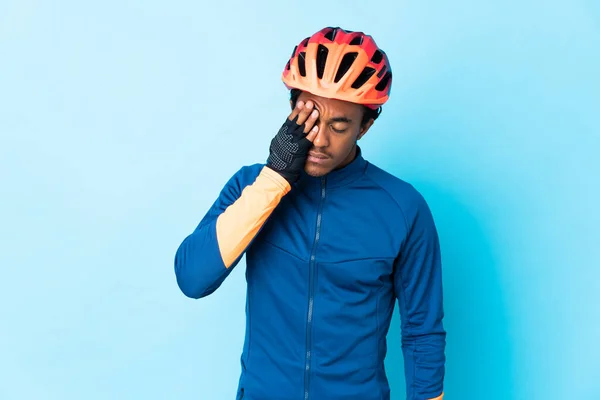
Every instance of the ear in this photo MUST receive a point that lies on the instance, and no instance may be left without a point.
(365, 128)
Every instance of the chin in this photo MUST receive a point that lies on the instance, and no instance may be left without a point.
(316, 170)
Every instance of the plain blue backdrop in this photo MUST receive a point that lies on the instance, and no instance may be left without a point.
(121, 120)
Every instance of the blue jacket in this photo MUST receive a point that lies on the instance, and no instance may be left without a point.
(326, 261)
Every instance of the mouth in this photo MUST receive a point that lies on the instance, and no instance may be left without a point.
(317, 155)
(317, 158)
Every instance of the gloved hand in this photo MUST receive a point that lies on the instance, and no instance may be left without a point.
(289, 148)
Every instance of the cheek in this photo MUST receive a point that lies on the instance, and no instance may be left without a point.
(340, 147)
(343, 142)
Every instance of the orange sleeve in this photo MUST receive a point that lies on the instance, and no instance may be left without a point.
(241, 221)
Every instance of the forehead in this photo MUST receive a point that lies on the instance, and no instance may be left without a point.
(332, 108)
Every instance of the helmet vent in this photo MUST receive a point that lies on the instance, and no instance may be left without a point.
(357, 41)
(383, 69)
(302, 63)
(383, 83)
(345, 65)
(377, 57)
(331, 34)
(322, 53)
(363, 77)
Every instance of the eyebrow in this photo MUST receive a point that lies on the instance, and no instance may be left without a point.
(339, 119)
(335, 119)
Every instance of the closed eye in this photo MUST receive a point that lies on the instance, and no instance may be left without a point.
(337, 130)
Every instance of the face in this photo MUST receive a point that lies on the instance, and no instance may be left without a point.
(339, 129)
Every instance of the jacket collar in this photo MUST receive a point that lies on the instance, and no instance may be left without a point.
(339, 177)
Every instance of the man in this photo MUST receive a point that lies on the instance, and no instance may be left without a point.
(331, 243)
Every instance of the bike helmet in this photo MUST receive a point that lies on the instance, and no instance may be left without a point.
(339, 64)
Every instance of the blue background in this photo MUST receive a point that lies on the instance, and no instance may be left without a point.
(114, 124)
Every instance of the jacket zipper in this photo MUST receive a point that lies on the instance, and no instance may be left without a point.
(311, 289)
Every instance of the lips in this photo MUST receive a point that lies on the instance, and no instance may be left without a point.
(316, 158)
(319, 156)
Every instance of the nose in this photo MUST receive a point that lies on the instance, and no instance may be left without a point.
(322, 138)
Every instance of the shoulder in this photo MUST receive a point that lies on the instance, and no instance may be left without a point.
(242, 177)
(408, 199)
(250, 172)
(245, 175)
